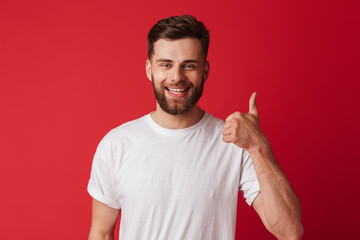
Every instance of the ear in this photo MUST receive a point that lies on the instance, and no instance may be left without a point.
(206, 70)
(148, 69)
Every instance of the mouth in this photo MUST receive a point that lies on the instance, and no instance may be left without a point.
(177, 92)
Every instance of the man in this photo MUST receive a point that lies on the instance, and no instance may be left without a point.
(176, 172)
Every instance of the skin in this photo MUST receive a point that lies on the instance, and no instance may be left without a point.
(103, 220)
(180, 64)
(177, 63)
(277, 204)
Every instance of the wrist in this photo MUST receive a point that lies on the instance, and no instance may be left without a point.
(262, 147)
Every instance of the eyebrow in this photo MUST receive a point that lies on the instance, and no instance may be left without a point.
(168, 60)
(191, 61)
(163, 60)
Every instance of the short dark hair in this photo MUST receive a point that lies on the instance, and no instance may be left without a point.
(179, 27)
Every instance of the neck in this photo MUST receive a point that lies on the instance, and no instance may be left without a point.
(185, 120)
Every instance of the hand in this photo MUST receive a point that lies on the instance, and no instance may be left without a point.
(243, 129)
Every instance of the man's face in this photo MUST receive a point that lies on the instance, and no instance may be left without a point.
(178, 71)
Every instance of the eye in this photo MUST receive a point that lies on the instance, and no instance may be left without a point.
(189, 66)
(165, 65)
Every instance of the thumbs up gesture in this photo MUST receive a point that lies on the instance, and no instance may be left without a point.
(243, 129)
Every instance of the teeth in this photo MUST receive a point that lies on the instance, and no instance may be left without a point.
(176, 89)
(175, 92)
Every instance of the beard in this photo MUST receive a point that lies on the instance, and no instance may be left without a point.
(178, 106)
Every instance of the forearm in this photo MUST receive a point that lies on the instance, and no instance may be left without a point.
(281, 206)
(103, 221)
(277, 203)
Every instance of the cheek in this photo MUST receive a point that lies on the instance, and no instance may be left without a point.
(196, 79)
(159, 76)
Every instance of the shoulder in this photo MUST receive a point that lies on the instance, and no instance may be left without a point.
(210, 129)
(125, 131)
(133, 125)
(214, 120)
(213, 123)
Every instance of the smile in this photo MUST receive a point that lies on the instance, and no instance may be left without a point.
(177, 92)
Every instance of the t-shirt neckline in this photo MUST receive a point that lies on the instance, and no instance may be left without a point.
(180, 131)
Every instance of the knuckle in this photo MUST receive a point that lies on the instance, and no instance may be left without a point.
(234, 122)
(237, 114)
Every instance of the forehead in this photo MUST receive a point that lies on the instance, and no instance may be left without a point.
(178, 50)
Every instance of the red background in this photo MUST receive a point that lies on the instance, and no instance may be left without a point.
(70, 71)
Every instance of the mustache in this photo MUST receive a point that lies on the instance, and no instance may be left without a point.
(178, 84)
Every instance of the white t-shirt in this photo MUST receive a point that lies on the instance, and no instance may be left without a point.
(172, 184)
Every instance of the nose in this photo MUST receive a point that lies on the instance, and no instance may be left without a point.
(177, 74)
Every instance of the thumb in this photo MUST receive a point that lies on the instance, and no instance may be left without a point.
(252, 105)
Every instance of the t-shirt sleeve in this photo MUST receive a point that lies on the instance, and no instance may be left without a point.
(249, 185)
(101, 183)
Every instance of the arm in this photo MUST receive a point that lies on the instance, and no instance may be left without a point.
(103, 220)
(277, 204)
